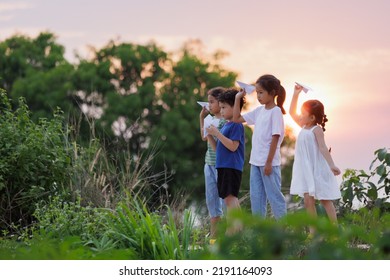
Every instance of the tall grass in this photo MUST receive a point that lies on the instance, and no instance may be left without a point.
(103, 180)
(147, 233)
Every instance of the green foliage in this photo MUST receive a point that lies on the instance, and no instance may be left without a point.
(287, 153)
(70, 248)
(360, 187)
(132, 232)
(20, 56)
(102, 180)
(34, 161)
(287, 239)
(122, 81)
(149, 235)
(46, 90)
(59, 219)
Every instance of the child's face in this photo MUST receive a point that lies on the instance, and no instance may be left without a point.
(226, 111)
(263, 96)
(306, 118)
(213, 105)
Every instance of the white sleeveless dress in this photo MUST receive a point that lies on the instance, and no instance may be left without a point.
(311, 173)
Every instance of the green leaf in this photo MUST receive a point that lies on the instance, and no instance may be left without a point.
(381, 170)
(387, 159)
(372, 193)
(382, 179)
(382, 154)
(372, 185)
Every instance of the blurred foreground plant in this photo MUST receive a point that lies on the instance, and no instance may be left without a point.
(287, 239)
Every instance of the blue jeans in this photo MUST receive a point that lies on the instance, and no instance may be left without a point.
(263, 188)
(213, 201)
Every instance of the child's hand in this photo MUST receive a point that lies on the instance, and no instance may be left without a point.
(212, 130)
(241, 93)
(204, 112)
(297, 89)
(336, 171)
(267, 169)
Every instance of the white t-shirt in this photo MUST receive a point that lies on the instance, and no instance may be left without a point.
(268, 122)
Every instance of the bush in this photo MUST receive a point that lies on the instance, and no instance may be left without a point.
(368, 190)
(34, 162)
(59, 219)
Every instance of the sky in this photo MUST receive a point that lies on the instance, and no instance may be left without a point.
(339, 48)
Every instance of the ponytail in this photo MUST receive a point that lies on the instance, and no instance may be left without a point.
(324, 120)
(281, 96)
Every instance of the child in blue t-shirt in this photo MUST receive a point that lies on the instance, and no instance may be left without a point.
(230, 147)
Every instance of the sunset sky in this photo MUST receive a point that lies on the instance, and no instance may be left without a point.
(339, 48)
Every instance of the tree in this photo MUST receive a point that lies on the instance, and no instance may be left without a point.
(47, 90)
(20, 56)
(37, 70)
(131, 102)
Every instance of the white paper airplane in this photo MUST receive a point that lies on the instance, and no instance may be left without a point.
(204, 104)
(248, 88)
(305, 88)
(208, 121)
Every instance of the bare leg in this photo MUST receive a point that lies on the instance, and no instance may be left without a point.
(213, 226)
(232, 203)
(330, 210)
(310, 205)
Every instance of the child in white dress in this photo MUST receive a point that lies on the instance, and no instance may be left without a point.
(314, 171)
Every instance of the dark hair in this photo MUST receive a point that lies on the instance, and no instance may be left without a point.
(229, 96)
(316, 108)
(272, 85)
(216, 92)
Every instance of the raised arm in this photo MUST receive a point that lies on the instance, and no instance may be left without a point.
(237, 118)
(293, 106)
(319, 134)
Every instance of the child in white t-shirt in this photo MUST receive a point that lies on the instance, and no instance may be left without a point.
(265, 159)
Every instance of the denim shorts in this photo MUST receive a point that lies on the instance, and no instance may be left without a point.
(213, 201)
